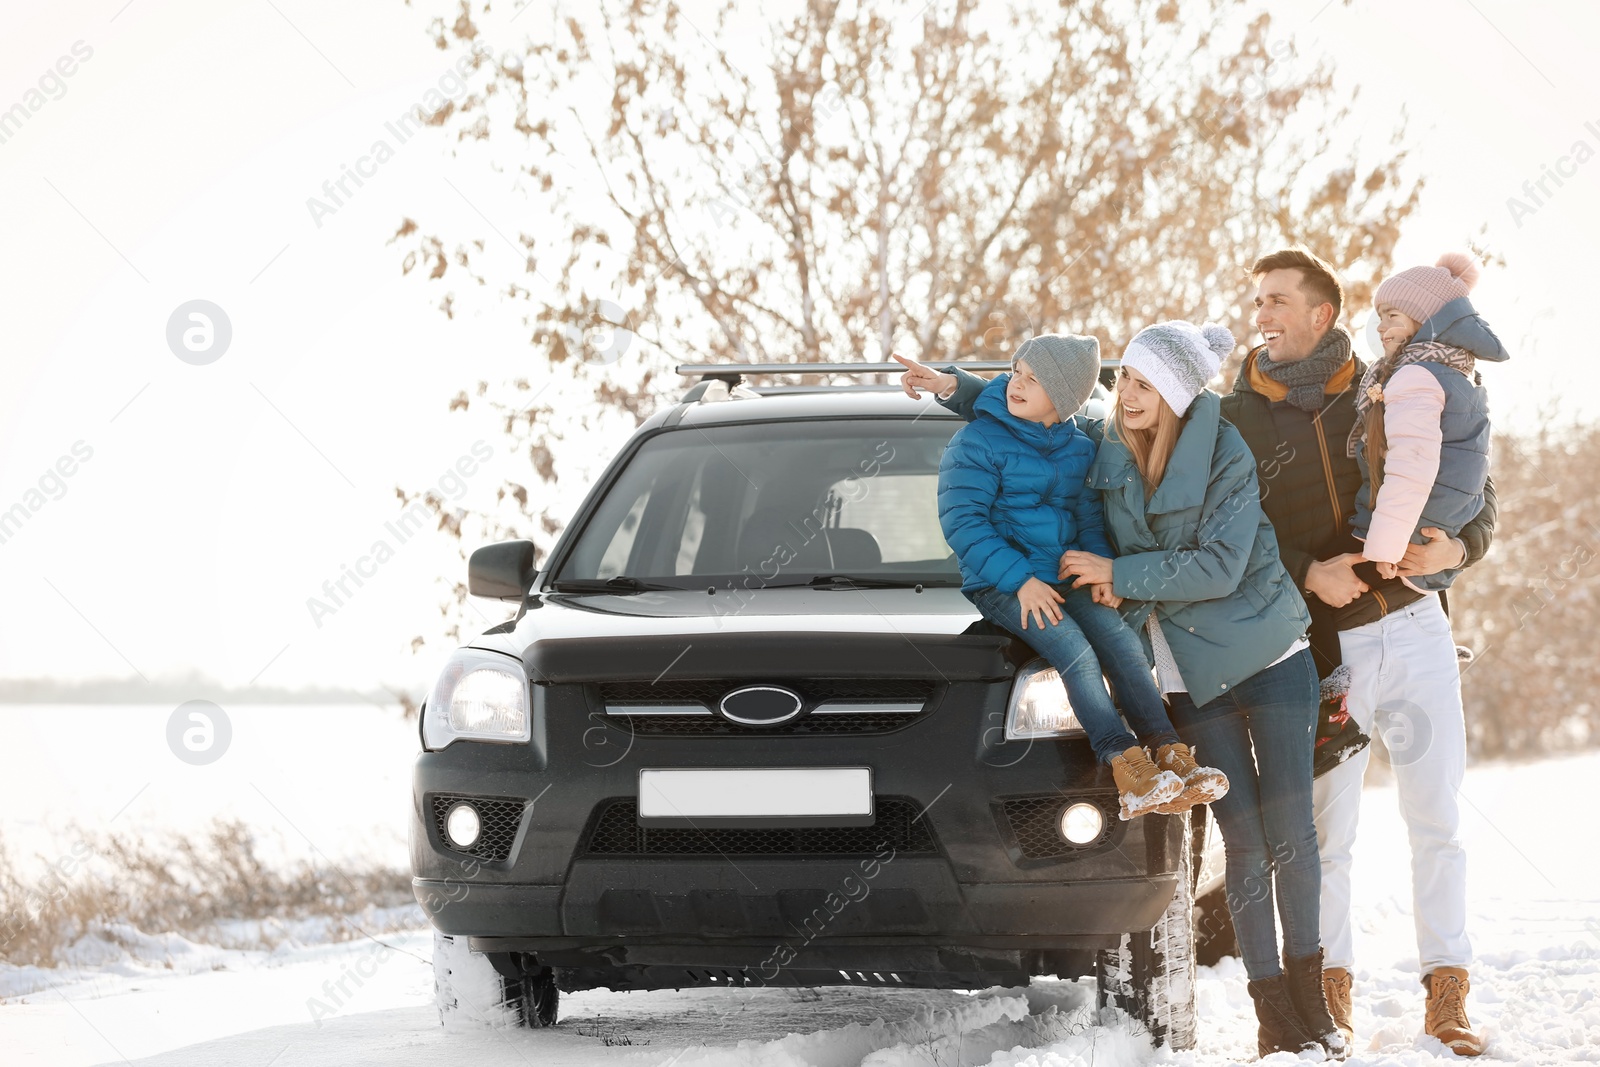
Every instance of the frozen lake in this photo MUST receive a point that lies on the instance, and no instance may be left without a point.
(334, 777)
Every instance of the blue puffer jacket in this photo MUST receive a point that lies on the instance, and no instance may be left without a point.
(1457, 494)
(1012, 496)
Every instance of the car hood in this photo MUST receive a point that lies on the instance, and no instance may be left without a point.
(759, 633)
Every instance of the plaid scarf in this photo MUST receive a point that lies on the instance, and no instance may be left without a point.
(1378, 375)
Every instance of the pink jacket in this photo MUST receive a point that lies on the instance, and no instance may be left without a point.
(1413, 401)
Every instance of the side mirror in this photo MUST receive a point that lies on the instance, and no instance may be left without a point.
(503, 570)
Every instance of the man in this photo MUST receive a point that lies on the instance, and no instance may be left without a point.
(1294, 403)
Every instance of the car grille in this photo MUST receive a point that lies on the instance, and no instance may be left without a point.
(617, 833)
(831, 706)
(499, 817)
(1032, 823)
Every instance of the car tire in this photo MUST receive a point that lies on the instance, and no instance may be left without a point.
(1151, 973)
(471, 991)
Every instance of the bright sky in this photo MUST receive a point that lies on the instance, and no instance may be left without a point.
(175, 162)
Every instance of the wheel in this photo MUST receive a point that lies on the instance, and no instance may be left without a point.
(1214, 937)
(1151, 974)
(471, 989)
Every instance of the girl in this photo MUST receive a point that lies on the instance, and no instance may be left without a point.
(1198, 574)
(1421, 432)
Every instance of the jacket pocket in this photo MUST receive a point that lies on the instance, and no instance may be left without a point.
(1177, 530)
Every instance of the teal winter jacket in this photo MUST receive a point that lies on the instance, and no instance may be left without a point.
(1201, 554)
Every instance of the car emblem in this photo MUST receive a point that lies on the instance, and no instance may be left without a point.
(760, 705)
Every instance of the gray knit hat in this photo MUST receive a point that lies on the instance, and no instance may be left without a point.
(1066, 365)
(1179, 358)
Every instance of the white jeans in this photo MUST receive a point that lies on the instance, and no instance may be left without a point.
(1406, 684)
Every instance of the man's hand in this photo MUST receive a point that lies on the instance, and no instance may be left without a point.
(918, 376)
(1334, 581)
(1441, 553)
(1101, 591)
(1090, 568)
(1039, 601)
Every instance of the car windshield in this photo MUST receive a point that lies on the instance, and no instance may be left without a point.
(786, 503)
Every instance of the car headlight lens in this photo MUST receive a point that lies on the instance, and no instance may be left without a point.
(1039, 705)
(480, 696)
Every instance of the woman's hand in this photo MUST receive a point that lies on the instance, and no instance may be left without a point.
(918, 376)
(1090, 568)
(1101, 591)
(1039, 600)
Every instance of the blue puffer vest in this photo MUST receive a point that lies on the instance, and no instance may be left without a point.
(1457, 494)
(1012, 496)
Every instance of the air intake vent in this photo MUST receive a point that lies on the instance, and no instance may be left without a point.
(617, 833)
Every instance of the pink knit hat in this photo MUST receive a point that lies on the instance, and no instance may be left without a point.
(1421, 291)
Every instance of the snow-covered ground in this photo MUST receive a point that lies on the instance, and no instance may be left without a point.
(1535, 913)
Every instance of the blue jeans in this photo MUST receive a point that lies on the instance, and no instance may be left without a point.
(1089, 639)
(1261, 736)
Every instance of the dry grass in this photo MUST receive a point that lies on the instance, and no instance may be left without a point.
(1531, 609)
(183, 885)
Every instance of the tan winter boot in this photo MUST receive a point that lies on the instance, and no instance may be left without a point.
(1336, 989)
(1201, 785)
(1447, 1010)
(1144, 786)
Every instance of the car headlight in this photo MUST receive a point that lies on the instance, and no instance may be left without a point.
(1039, 705)
(480, 696)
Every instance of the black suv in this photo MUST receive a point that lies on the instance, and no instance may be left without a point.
(745, 729)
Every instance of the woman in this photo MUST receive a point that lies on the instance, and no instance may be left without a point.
(1198, 574)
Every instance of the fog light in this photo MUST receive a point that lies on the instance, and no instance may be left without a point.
(462, 826)
(1081, 823)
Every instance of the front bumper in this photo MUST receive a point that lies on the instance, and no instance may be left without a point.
(973, 886)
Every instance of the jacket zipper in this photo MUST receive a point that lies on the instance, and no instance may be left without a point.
(1327, 470)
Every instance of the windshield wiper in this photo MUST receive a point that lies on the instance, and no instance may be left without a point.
(622, 583)
(851, 581)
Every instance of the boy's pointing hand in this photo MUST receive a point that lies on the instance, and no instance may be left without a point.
(918, 376)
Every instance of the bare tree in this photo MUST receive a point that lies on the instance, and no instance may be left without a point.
(940, 179)
(1529, 610)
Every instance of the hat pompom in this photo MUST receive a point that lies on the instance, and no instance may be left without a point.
(1218, 338)
(1461, 266)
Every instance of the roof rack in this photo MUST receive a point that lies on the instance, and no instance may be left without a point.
(732, 375)
(736, 370)
(726, 371)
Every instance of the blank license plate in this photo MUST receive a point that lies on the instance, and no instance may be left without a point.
(766, 796)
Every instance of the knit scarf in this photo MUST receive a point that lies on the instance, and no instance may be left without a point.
(1378, 375)
(1306, 377)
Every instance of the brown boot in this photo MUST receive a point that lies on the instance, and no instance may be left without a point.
(1201, 785)
(1447, 1010)
(1144, 787)
(1302, 975)
(1336, 988)
(1279, 1028)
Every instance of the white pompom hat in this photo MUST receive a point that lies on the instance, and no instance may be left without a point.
(1178, 358)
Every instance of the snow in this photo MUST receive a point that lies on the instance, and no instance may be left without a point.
(1534, 902)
